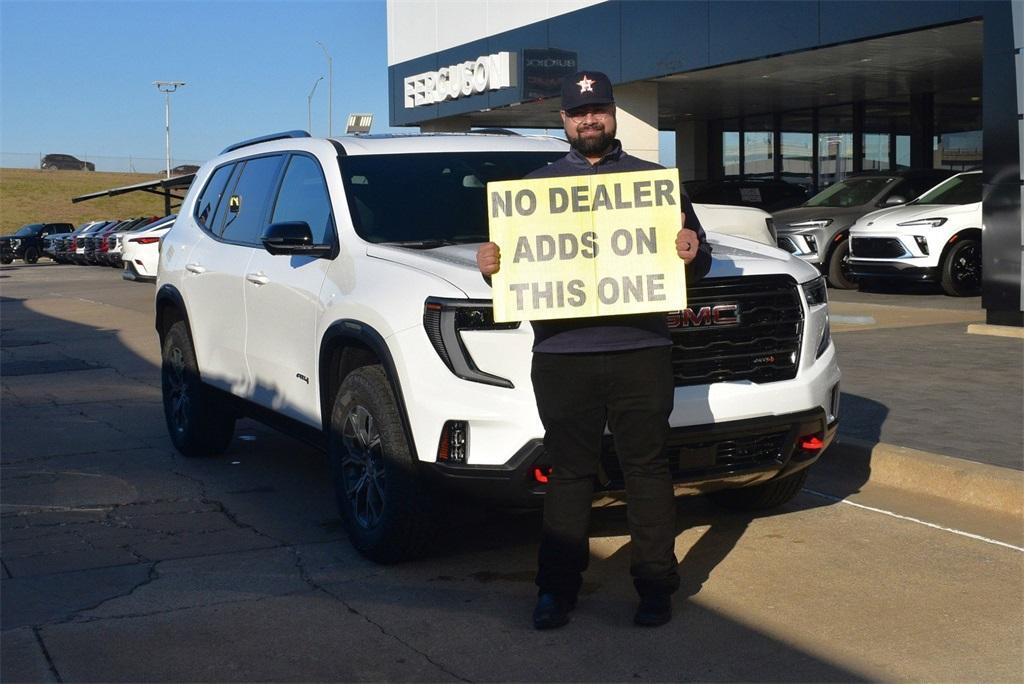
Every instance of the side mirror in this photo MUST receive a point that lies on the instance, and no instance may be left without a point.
(893, 200)
(292, 237)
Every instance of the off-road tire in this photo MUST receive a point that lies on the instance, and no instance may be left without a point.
(6, 260)
(961, 269)
(763, 496)
(387, 511)
(31, 255)
(839, 275)
(198, 422)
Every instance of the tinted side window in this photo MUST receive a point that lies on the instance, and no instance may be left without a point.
(303, 197)
(206, 207)
(247, 202)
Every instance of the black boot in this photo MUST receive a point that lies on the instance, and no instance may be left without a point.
(654, 610)
(552, 611)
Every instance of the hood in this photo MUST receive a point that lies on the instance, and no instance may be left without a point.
(970, 213)
(839, 215)
(732, 256)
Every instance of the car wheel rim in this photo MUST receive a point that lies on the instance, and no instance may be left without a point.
(362, 467)
(967, 267)
(177, 389)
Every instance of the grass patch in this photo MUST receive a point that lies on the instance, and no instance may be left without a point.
(36, 196)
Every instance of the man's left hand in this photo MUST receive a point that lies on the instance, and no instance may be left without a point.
(687, 244)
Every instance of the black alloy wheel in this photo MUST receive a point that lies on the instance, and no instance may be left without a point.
(362, 467)
(387, 510)
(197, 421)
(961, 271)
(31, 255)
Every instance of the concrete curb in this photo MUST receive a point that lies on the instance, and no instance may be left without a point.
(992, 488)
(995, 330)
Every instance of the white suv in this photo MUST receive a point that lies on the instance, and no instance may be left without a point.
(937, 237)
(330, 287)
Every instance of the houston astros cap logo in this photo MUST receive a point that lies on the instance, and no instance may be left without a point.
(586, 89)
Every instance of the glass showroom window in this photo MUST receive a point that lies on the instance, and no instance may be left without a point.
(758, 147)
(835, 144)
(731, 148)
(798, 148)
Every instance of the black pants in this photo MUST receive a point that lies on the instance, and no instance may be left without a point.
(577, 395)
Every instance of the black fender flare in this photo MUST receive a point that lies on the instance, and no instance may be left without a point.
(168, 296)
(368, 337)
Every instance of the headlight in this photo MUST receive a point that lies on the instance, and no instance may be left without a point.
(931, 222)
(15, 243)
(815, 291)
(445, 319)
(816, 223)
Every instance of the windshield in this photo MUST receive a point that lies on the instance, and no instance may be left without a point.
(851, 192)
(428, 200)
(29, 230)
(965, 189)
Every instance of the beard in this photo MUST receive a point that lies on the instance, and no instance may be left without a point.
(593, 144)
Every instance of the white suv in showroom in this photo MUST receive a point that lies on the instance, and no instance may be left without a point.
(329, 287)
(935, 238)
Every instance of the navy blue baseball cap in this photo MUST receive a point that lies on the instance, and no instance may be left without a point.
(586, 88)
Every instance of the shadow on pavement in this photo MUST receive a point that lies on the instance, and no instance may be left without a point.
(95, 488)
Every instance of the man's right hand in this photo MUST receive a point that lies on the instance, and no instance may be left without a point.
(488, 258)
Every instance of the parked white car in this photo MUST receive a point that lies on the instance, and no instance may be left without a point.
(330, 287)
(141, 250)
(935, 238)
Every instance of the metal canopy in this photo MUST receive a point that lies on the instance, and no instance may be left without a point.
(165, 187)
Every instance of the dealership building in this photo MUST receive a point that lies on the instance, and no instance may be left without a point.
(804, 91)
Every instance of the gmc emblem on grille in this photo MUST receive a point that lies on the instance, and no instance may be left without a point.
(705, 316)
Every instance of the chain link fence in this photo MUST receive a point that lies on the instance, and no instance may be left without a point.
(129, 164)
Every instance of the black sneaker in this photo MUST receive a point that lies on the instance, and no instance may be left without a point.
(552, 611)
(653, 611)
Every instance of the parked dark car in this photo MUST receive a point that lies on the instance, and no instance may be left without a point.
(53, 162)
(76, 250)
(184, 169)
(817, 230)
(27, 243)
(769, 195)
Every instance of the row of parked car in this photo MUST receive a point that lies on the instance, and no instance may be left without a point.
(914, 225)
(132, 244)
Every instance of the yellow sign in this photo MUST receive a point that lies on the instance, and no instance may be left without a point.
(587, 245)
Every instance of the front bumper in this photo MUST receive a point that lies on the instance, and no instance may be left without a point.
(895, 271)
(702, 458)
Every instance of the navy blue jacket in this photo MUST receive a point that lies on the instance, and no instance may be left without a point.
(613, 333)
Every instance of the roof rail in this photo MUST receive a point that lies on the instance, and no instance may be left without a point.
(494, 131)
(265, 138)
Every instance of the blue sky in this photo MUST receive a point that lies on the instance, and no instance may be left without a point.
(76, 77)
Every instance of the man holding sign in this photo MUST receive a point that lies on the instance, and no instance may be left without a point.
(602, 349)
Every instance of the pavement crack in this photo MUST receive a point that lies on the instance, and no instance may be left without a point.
(304, 575)
(152, 576)
(38, 633)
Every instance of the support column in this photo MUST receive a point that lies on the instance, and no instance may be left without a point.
(692, 150)
(637, 106)
(922, 130)
(451, 124)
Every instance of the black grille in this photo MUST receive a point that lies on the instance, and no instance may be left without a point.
(877, 248)
(763, 347)
(706, 456)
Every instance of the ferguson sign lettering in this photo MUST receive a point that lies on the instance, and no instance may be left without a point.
(489, 72)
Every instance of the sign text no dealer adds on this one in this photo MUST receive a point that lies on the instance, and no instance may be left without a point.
(587, 245)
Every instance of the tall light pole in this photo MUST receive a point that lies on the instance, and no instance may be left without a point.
(168, 87)
(309, 106)
(330, 89)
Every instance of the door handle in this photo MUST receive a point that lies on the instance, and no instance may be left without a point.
(257, 278)
(195, 268)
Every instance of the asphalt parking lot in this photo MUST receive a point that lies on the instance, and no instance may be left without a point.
(123, 561)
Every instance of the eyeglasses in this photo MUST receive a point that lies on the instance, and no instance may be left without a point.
(597, 111)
